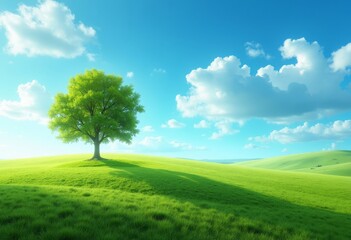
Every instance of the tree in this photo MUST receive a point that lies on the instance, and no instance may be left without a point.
(97, 109)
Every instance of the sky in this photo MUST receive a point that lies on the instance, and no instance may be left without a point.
(218, 79)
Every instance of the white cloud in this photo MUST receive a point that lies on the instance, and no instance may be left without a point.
(172, 123)
(185, 146)
(202, 124)
(160, 144)
(34, 102)
(130, 74)
(159, 70)
(331, 147)
(91, 57)
(337, 130)
(152, 142)
(147, 128)
(312, 69)
(47, 29)
(88, 31)
(226, 90)
(224, 128)
(251, 146)
(254, 50)
(341, 59)
(148, 143)
(284, 150)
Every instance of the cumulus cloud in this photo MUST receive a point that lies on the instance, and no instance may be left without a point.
(172, 123)
(226, 90)
(147, 128)
(34, 102)
(130, 74)
(48, 29)
(341, 59)
(202, 124)
(223, 128)
(337, 130)
(88, 31)
(254, 49)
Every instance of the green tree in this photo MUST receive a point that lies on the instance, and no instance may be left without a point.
(97, 109)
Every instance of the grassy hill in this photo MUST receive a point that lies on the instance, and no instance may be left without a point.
(145, 197)
(333, 162)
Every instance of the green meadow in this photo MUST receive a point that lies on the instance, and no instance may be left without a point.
(331, 162)
(147, 197)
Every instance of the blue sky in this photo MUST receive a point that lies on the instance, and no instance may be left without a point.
(218, 79)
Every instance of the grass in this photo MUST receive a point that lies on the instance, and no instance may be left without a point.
(145, 197)
(332, 162)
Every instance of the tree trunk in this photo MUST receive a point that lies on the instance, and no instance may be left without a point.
(96, 151)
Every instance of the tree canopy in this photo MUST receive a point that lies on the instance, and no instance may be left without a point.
(97, 109)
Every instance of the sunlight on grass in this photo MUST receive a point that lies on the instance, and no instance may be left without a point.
(332, 162)
(144, 197)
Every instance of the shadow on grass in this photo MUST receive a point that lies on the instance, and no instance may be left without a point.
(210, 194)
(28, 212)
(179, 206)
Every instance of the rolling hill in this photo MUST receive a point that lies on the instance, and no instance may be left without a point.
(146, 197)
(331, 162)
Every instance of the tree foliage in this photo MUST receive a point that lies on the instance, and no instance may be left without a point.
(97, 109)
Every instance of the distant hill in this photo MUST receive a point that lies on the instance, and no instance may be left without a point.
(331, 162)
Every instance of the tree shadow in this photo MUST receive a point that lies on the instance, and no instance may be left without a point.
(30, 212)
(210, 194)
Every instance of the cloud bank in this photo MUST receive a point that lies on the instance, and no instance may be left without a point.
(227, 91)
(47, 29)
(337, 130)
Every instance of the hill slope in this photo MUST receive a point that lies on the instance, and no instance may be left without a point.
(333, 162)
(144, 197)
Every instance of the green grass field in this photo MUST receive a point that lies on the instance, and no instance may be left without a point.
(145, 197)
(332, 162)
